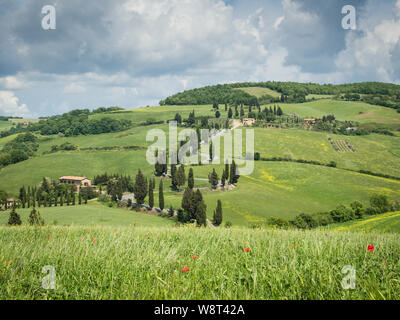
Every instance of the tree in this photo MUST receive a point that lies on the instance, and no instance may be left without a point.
(279, 112)
(140, 188)
(15, 219)
(227, 171)
(230, 113)
(161, 195)
(201, 213)
(211, 151)
(80, 198)
(187, 202)
(217, 114)
(233, 176)
(191, 179)
(174, 177)
(178, 118)
(214, 179)
(380, 202)
(151, 195)
(223, 178)
(181, 176)
(35, 219)
(358, 209)
(45, 185)
(218, 214)
(171, 211)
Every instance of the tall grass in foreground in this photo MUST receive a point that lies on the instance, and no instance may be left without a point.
(146, 263)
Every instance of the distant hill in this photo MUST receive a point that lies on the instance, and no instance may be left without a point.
(384, 94)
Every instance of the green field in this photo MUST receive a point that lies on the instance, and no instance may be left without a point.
(92, 214)
(343, 110)
(4, 125)
(259, 91)
(388, 222)
(146, 263)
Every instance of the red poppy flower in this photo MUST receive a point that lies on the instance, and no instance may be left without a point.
(371, 248)
(185, 269)
(195, 257)
(116, 235)
(48, 237)
(326, 234)
(246, 249)
(294, 246)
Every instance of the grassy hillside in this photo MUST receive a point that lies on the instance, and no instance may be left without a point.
(388, 222)
(4, 125)
(274, 189)
(343, 110)
(147, 263)
(376, 153)
(282, 189)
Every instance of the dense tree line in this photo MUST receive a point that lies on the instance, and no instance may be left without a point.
(77, 122)
(19, 149)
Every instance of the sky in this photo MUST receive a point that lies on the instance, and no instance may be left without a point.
(133, 53)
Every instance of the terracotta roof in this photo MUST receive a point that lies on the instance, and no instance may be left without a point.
(73, 178)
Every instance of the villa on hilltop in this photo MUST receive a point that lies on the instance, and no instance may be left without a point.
(78, 182)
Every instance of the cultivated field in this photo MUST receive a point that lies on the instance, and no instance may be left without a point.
(147, 263)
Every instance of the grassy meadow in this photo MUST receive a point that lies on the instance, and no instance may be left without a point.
(146, 263)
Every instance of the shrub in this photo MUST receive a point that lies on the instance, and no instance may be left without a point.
(228, 224)
(380, 202)
(35, 219)
(15, 219)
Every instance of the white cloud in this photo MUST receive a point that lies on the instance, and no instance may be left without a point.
(74, 88)
(371, 55)
(9, 104)
(11, 83)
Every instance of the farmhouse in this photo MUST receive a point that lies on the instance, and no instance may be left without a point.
(78, 182)
(248, 121)
(8, 204)
(310, 120)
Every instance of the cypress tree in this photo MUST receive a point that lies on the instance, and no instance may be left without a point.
(174, 178)
(73, 198)
(80, 198)
(140, 188)
(214, 179)
(201, 214)
(85, 198)
(187, 201)
(233, 177)
(161, 196)
(218, 214)
(223, 178)
(61, 200)
(211, 151)
(191, 179)
(151, 195)
(230, 113)
(181, 176)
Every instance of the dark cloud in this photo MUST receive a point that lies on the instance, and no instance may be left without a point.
(312, 32)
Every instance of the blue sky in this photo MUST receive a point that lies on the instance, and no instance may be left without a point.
(133, 53)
